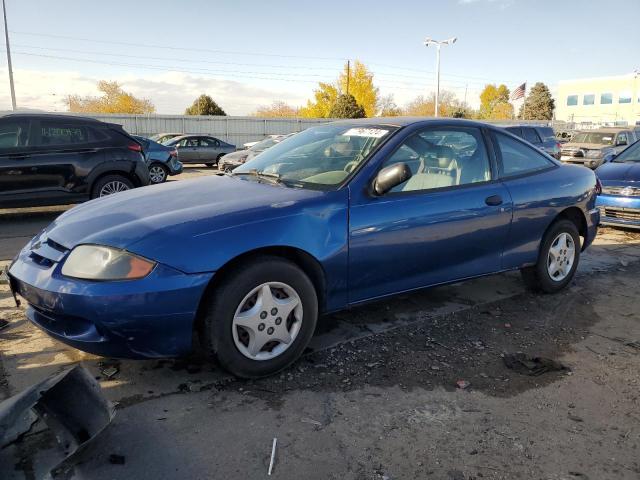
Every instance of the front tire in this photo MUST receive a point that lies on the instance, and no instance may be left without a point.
(558, 259)
(260, 319)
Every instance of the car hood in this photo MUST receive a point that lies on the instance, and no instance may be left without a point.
(619, 172)
(164, 217)
(236, 156)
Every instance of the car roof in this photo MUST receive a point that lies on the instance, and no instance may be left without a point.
(406, 121)
(53, 116)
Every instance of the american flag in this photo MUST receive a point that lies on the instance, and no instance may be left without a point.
(519, 92)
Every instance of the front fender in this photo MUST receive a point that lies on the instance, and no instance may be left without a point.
(318, 228)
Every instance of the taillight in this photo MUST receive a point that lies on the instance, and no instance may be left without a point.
(134, 147)
(598, 186)
(558, 145)
(173, 153)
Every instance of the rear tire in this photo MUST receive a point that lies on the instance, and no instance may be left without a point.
(158, 173)
(110, 184)
(557, 261)
(232, 302)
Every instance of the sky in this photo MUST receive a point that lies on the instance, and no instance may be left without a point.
(250, 53)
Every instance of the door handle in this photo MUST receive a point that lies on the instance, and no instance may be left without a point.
(493, 200)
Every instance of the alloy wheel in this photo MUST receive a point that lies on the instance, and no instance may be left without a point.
(112, 187)
(157, 174)
(267, 321)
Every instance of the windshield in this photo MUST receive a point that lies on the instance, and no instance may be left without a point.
(593, 137)
(319, 156)
(630, 154)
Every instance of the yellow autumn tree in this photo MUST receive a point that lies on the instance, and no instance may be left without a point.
(325, 97)
(277, 109)
(361, 86)
(494, 103)
(113, 100)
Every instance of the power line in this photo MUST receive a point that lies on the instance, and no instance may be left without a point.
(261, 54)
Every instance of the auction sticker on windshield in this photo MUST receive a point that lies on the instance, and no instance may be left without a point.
(366, 132)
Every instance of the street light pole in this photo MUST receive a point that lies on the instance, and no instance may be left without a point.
(6, 36)
(438, 44)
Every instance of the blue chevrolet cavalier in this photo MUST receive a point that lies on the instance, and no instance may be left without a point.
(620, 200)
(337, 215)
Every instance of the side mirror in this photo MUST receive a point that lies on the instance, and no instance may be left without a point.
(390, 177)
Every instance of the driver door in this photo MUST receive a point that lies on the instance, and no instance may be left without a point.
(449, 221)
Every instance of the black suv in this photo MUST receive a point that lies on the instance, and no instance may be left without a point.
(48, 159)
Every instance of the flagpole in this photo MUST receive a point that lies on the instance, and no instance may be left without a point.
(524, 101)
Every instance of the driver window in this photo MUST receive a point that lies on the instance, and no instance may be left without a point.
(440, 158)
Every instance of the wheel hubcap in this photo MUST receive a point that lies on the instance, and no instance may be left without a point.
(267, 321)
(156, 174)
(113, 187)
(562, 254)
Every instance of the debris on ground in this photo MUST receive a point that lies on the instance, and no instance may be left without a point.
(463, 384)
(116, 459)
(70, 403)
(311, 421)
(109, 368)
(273, 455)
(525, 365)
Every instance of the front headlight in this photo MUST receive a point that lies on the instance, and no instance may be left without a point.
(95, 262)
(593, 153)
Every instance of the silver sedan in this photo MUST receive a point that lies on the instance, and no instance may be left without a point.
(200, 149)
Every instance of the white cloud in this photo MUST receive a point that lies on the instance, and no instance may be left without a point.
(170, 92)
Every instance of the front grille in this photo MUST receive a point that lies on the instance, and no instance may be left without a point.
(631, 214)
(571, 153)
(624, 191)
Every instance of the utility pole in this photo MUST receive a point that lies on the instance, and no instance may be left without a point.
(438, 44)
(348, 74)
(6, 36)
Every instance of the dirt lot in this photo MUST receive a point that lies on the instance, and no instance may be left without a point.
(377, 395)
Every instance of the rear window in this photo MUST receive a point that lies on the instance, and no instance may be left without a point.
(546, 133)
(530, 135)
(61, 134)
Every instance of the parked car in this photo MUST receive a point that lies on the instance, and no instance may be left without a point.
(619, 202)
(235, 159)
(592, 148)
(164, 137)
(542, 138)
(50, 159)
(334, 216)
(200, 149)
(162, 160)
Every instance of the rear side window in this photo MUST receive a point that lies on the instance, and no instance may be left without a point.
(209, 142)
(14, 133)
(518, 158)
(530, 135)
(60, 134)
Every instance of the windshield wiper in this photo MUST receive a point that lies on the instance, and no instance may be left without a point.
(272, 177)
